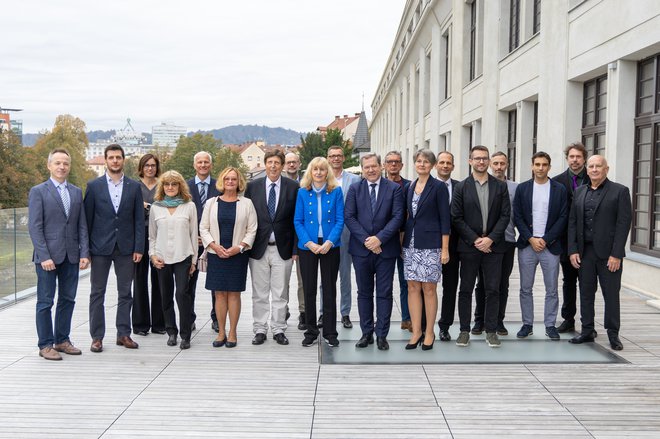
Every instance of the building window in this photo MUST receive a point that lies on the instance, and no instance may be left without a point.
(514, 24)
(594, 115)
(417, 94)
(536, 127)
(445, 40)
(473, 41)
(427, 84)
(646, 180)
(511, 145)
(536, 26)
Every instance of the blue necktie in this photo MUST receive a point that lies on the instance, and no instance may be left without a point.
(202, 192)
(271, 201)
(66, 201)
(372, 196)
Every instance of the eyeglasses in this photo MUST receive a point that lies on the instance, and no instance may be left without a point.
(292, 163)
(393, 162)
(480, 159)
(150, 166)
(171, 184)
(336, 156)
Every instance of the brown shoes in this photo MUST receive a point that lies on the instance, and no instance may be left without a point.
(406, 324)
(49, 354)
(67, 348)
(97, 345)
(126, 342)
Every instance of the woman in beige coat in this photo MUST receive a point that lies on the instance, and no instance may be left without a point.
(228, 228)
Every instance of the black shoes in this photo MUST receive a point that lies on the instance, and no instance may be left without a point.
(365, 341)
(171, 340)
(525, 331)
(383, 345)
(308, 341)
(319, 324)
(444, 335)
(142, 333)
(414, 345)
(158, 331)
(501, 330)
(332, 342)
(346, 321)
(215, 326)
(301, 322)
(583, 338)
(615, 343)
(259, 338)
(219, 343)
(185, 344)
(566, 326)
(478, 328)
(281, 339)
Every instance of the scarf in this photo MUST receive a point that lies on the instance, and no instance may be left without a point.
(170, 201)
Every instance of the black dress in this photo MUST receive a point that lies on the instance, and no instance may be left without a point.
(226, 274)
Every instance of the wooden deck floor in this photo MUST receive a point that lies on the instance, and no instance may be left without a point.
(282, 391)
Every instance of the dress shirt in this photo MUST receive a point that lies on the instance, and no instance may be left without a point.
(590, 202)
(377, 188)
(449, 186)
(115, 191)
(278, 183)
(510, 232)
(173, 237)
(61, 187)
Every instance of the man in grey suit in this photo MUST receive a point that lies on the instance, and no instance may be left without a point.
(59, 235)
(115, 220)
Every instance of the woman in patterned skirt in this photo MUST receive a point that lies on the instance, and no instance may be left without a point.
(425, 246)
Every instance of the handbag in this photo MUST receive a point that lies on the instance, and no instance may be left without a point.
(202, 262)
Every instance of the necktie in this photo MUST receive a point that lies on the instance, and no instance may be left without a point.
(66, 201)
(372, 196)
(575, 183)
(271, 201)
(202, 191)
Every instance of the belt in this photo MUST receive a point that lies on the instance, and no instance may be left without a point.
(271, 243)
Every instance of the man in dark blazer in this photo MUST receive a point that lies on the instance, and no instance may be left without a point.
(393, 166)
(202, 187)
(540, 214)
(274, 199)
(58, 230)
(444, 167)
(373, 214)
(574, 177)
(597, 232)
(115, 220)
(480, 211)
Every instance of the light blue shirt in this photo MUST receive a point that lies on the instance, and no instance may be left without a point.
(207, 180)
(115, 191)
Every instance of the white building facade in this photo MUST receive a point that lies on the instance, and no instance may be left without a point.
(521, 76)
(167, 134)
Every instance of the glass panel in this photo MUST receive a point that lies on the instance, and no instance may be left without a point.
(656, 241)
(642, 220)
(589, 90)
(643, 169)
(600, 143)
(657, 188)
(588, 142)
(641, 237)
(647, 69)
(642, 203)
(644, 152)
(589, 118)
(643, 186)
(16, 264)
(644, 134)
(646, 105)
(646, 88)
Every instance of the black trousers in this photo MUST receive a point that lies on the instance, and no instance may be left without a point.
(490, 265)
(479, 292)
(309, 265)
(449, 287)
(593, 271)
(569, 288)
(146, 316)
(192, 287)
(171, 277)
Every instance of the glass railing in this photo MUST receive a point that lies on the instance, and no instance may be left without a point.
(17, 276)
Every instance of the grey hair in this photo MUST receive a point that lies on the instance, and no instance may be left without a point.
(200, 153)
(369, 155)
(397, 153)
(427, 154)
(56, 151)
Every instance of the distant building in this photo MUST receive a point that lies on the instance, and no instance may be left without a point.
(347, 125)
(361, 140)
(134, 143)
(97, 164)
(5, 122)
(167, 135)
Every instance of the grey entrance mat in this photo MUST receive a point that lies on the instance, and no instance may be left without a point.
(535, 349)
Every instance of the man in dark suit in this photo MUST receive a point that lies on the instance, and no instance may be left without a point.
(292, 171)
(274, 199)
(58, 230)
(597, 232)
(393, 166)
(574, 177)
(540, 215)
(374, 214)
(480, 211)
(444, 167)
(115, 220)
(202, 187)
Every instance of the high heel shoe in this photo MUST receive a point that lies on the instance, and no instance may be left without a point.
(231, 344)
(419, 341)
(428, 347)
(219, 343)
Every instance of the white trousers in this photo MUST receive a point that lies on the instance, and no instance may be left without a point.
(270, 291)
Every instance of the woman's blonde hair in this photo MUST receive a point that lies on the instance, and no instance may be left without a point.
(220, 184)
(321, 163)
(172, 177)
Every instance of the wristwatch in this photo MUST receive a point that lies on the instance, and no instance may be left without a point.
(242, 247)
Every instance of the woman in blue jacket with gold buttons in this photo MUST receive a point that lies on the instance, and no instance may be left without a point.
(319, 220)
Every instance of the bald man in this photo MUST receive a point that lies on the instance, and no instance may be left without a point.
(598, 228)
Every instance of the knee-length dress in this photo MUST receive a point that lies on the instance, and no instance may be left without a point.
(226, 274)
(421, 264)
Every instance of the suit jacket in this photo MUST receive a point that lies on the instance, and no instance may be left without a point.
(432, 219)
(306, 219)
(107, 228)
(567, 181)
(245, 227)
(54, 236)
(348, 179)
(466, 214)
(281, 225)
(453, 236)
(557, 215)
(383, 222)
(612, 220)
(194, 192)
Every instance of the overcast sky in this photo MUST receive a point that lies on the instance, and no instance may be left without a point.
(200, 64)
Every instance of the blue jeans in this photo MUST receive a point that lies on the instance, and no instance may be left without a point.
(66, 275)
(403, 290)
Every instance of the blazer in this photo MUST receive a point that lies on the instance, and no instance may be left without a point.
(125, 229)
(281, 225)
(612, 220)
(194, 192)
(466, 214)
(54, 236)
(245, 227)
(383, 222)
(567, 181)
(557, 215)
(348, 178)
(432, 220)
(453, 235)
(306, 219)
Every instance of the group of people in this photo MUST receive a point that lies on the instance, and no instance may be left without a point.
(431, 229)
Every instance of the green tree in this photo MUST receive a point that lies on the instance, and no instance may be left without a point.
(17, 174)
(182, 159)
(312, 146)
(68, 133)
(334, 137)
(227, 157)
(131, 167)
